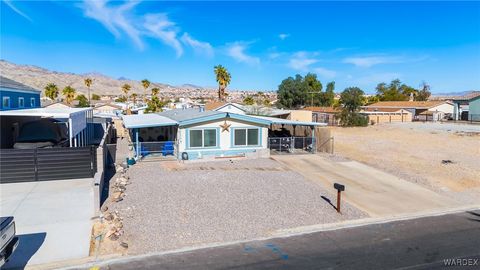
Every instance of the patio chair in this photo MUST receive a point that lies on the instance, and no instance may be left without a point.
(168, 148)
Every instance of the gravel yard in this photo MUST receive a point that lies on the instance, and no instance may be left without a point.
(443, 157)
(171, 205)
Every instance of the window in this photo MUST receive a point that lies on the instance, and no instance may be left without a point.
(245, 136)
(6, 102)
(21, 102)
(203, 138)
(32, 102)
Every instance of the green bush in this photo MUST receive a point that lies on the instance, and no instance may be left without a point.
(349, 119)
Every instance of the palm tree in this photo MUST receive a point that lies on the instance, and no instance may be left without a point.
(145, 84)
(126, 88)
(51, 91)
(88, 82)
(223, 79)
(134, 97)
(155, 91)
(69, 93)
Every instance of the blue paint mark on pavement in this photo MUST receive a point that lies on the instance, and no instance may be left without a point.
(277, 250)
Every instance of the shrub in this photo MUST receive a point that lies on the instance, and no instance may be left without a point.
(349, 119)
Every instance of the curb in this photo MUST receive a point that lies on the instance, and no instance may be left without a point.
(104, 261)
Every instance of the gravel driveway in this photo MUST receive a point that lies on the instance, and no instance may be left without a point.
(171, 205)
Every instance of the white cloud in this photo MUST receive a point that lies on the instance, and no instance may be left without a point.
(369, 61)
(301, 61)
(159, 26)
(198, 46)
(283, 36)
(325, 73)
(237, 50)
(18, 11)
(114, 18)
(122, 19)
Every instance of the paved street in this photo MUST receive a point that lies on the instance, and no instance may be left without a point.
(413, 244)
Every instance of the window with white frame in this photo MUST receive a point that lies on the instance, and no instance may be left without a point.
(21, 102)
(203, 137)
(6, 102)
(32, 102)
(245, 137)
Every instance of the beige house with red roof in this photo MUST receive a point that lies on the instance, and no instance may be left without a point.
(420, 110)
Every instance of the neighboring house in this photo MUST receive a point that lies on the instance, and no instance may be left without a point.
(328, 115)
(467, 107)
(108, 109)
(61, 105)
(421, 110)
(15, 95)
(389, 115)
(225, 107)
(204, 134)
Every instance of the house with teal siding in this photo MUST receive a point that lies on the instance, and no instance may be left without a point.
(467, 107)
(14, 95)
(197, 134)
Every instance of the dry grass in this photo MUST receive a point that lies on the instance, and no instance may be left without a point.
(414, 151)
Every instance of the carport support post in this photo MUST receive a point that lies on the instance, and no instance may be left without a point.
(137, 143)
(314, 143)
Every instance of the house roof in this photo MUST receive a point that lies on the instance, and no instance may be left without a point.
(45, 112)
(147, 120)
(407, 104)
(11, 84)
(467, 97)
(375, 109)
(180, 115)
(214, 105)
(109, 105)
(323, 109)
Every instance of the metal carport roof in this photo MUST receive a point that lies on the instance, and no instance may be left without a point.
(147, 120)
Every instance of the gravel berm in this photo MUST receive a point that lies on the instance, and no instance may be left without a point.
(170, 207)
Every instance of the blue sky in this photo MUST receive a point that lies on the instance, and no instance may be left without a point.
(261, 43)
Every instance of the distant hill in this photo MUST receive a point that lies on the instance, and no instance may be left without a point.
(38, 78)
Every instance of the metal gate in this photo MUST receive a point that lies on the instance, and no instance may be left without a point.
(43, 164)
(292, 145)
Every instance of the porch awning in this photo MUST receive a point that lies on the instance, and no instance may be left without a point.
(275, 120)
(147, 120)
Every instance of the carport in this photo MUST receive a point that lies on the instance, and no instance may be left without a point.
(152, 134)
(289, 137)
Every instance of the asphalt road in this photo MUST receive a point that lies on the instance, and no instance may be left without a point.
(412, 244)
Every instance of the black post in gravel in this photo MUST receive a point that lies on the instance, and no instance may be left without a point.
(339, 188)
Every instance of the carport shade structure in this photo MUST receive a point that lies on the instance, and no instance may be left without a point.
(136, 121)
(79, 132)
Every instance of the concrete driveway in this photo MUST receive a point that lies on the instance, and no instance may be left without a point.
(53, 220)
(378, 193)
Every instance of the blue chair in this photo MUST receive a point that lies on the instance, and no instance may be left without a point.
(168, 148)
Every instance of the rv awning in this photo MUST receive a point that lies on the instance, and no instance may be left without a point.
(147, 120)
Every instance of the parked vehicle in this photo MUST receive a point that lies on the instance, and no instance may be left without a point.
(8, 239)
(280, 144)
(42, 134)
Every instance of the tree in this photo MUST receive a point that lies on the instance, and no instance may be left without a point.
(351, 99)
(69, 94)
(121, 99)
(125, 89)
(425, 93)
(223, 78)
(88, 82)
(134, 97)
(145, 84)
(298, 91)
(248, 100)
(395, 91)
(82, 101)
(155, 91)
(51, 91)
(95, 97)
(154, 105)
(327, 98)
